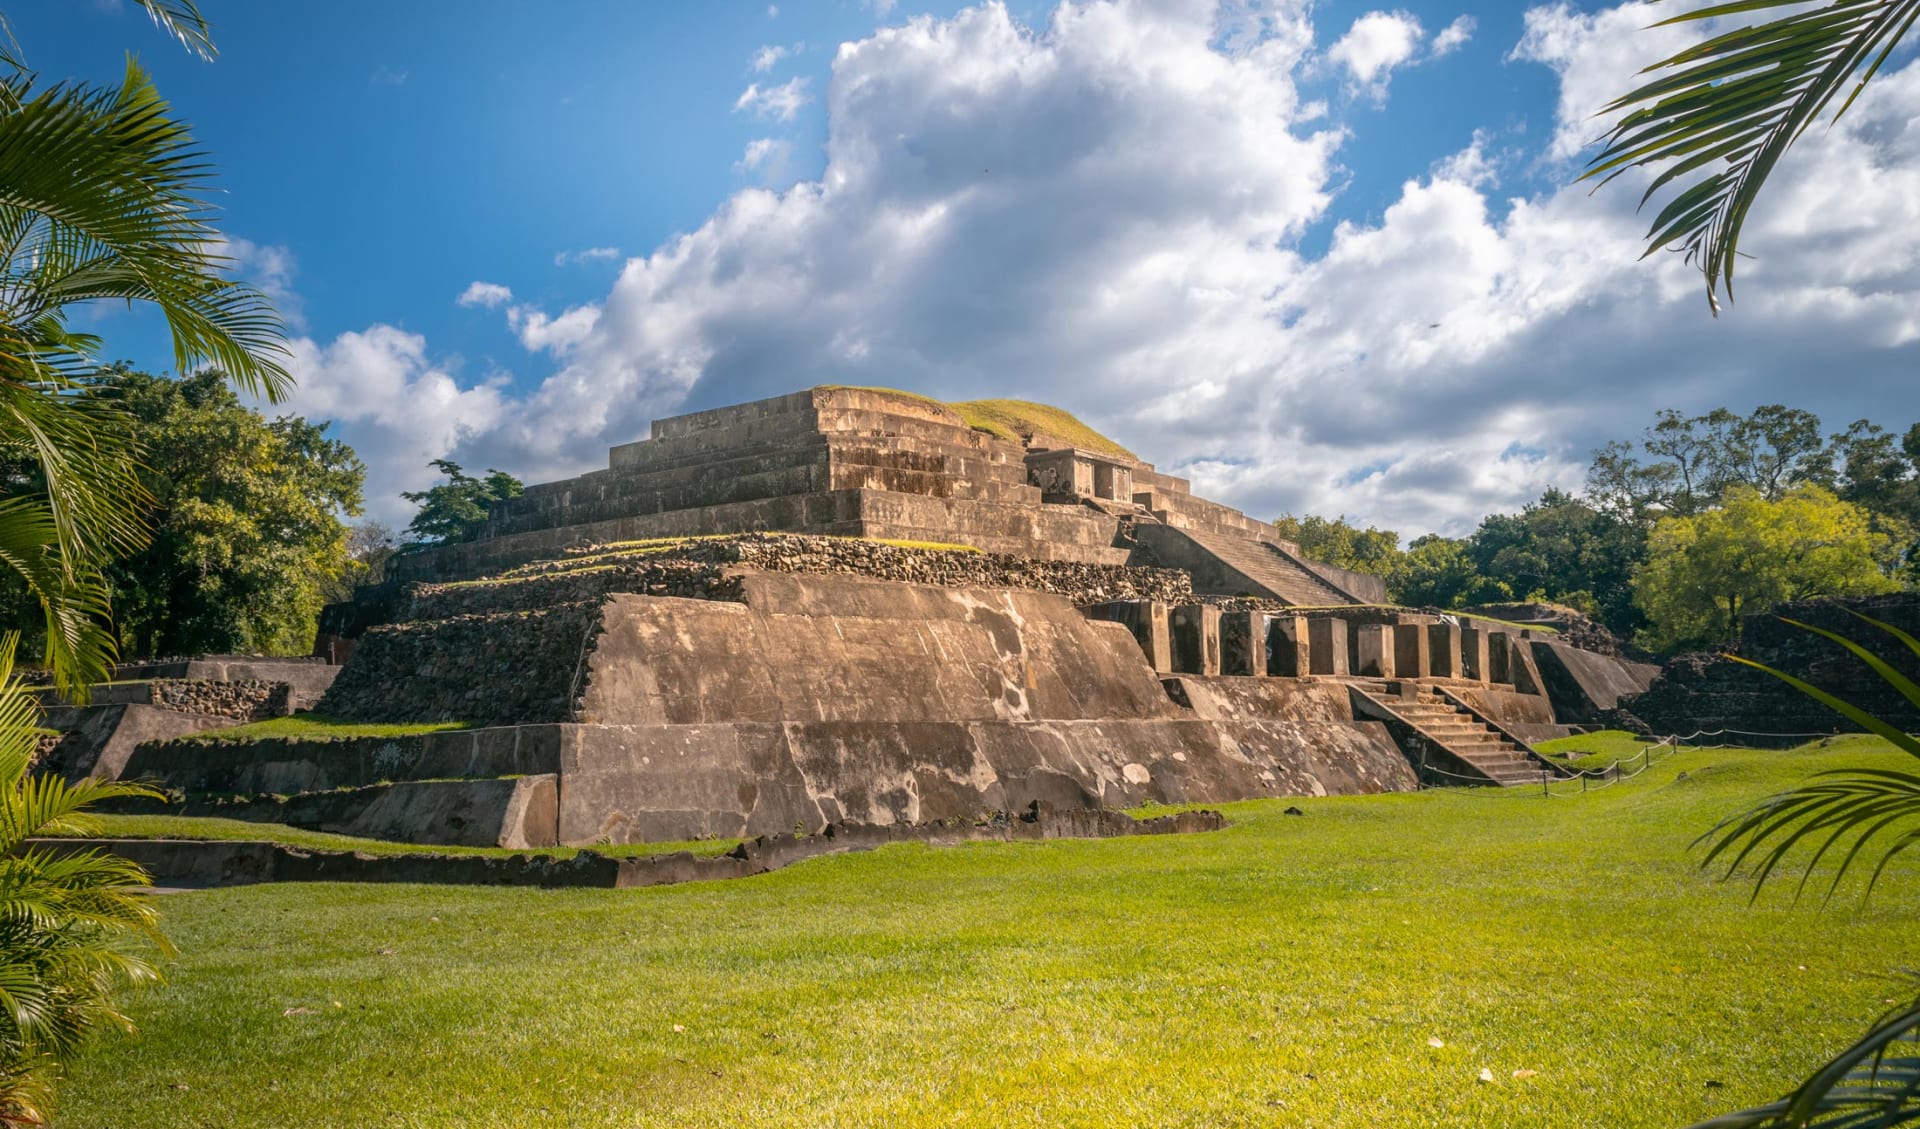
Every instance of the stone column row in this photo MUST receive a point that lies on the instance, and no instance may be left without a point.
(1201, 639)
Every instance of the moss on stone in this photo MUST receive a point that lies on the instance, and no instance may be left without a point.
(320, 725)
(1016, 421)
(1020, 420)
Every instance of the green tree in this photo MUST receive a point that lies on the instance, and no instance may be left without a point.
(1703, 573)
(1438, 572)
(1562, 549)
(65, 918)
(248, 522)
(455, 509)
(103, 196)
(1339, 542)
(1725, 111)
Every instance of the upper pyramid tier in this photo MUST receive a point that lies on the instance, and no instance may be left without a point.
(1006, 477)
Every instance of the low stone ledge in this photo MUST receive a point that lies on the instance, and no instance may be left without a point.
(211, 863)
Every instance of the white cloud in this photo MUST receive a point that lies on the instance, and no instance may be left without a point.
(1376, 44)
(767, 57)
(766, 157)
(590, 255)
(399, 409)
(778, 102)
(1452, 37)
(270, 267)
(880, 7)
(491, 295)
(389, 76)
(1105, 214)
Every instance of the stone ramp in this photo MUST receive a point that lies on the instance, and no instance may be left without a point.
(1228, 565)
(1440, 731)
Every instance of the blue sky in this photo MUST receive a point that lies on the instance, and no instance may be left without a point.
(378, 159)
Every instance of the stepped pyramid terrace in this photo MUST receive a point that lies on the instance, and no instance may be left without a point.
(851, 607)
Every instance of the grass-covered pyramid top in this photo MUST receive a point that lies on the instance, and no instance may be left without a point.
(1017, 421)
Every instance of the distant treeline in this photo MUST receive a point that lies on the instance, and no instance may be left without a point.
(1678, 533)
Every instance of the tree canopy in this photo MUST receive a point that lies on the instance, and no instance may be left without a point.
(247, 518)
(455, 509)
(1703, 572)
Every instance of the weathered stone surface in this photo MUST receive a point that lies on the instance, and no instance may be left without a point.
(289, 765)
(1243, 643)
(1327, 646)
(1289, 652)
(817, 648)
(1196, 638)
(1443, 650)
(638, 783)
(1710, 693)
(1411, 657)
(206, 863)
(1147, 622)
(1585, 687)
(506, 668)
(99, 740)
(1373, 646)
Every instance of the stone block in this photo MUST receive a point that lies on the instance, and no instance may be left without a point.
(1196, 638)
(1327, 646)
(1373, 649)
(1443, 650)
(1243, 643)
(1411, 654)
(1499, 657)
(1288, 650)
(1475, 661)
(1147, 620)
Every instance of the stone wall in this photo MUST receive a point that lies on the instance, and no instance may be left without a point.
(706, 569)
(494, 669)
(1706, 693)
(249, 699)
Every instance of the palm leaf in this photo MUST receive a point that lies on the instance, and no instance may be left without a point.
(1735, 103)
(1872, 1084)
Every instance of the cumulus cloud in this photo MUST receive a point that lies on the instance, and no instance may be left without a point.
(398, 407)
(767, 57)
(1106, 212)
(780, 102)
(490, 295)
(767, 158)
(590, 255)
(1452, 37)
(269, 266)
(1376, 44)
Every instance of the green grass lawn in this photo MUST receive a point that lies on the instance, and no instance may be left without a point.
(210, 827)
(321, 725)
(1288, 971)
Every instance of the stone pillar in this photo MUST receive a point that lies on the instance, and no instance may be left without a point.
(1373, 645)
(1474, 661)
(1288, 650)
(1327, 645)
(1499, 656)
(1196, 639)
(1411, 655)
(1147, 619)
(1443, 650)
(1243, 643)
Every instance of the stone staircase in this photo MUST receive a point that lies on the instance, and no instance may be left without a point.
(1474, 743)
(1270, 569)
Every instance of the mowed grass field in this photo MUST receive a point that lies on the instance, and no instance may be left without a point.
(1290, 970)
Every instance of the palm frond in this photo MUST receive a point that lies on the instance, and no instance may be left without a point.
(114, 173)
(182, 20)
(1734, 104)
(1873, 1084)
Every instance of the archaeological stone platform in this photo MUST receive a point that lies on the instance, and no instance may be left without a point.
(868, 463)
